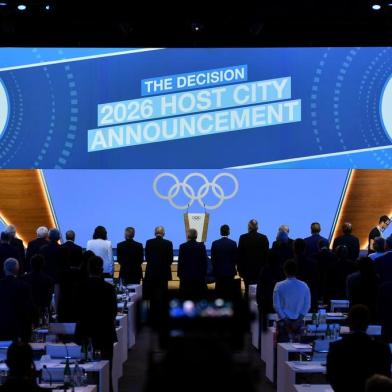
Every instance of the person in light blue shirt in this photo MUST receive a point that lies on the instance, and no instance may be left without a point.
(292, 301)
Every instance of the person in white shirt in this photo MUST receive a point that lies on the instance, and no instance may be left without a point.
(291, 301)
(102, 247)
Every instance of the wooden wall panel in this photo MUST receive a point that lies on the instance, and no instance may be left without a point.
(368, 196)
(23, 202)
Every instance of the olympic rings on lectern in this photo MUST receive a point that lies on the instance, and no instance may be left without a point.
(195, 195)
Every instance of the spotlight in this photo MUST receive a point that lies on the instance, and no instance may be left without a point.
(21, 7)
(47, 7)
(376, 7)
(197, 27)
(3, 4)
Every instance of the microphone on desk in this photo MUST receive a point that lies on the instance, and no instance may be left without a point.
(49, 374)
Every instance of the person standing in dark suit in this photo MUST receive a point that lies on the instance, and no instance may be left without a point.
(282, 247)
(35, 245)
(72, 252)
(377, 231)
(130, 258)
(54, 257)
(192, 267)
(384, 313)
(348, 240)
(253, 253)
(383, 264)
(98, 304)
(312, 242)
(224, 258)
(17, 243)
(159, 258)
(16, 305)
(42, 286)
(6, 251)
(357, 356)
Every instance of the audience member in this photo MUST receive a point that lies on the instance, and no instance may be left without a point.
(130, 258)
(16, 305)
(348, 240)
(383, 264)
(35, 245)
(159, 258)
(291, 299)
(357, 356)
(72, 253)
(384, 309)
(379, 383)
(253, 253)
(42, 286)
(17, 243)
(282, 248)
(325, 260)
(54, 264)
(224, 258)
(192, 267)
(102, 247)
(6, 251)
(377, 231)
(338, 273)
(312, 242)
(378, 247)
(22, 373)
(98, 303)
(362, 286)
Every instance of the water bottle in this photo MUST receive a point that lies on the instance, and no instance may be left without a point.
(67, 374)
(90, 351)
(77, 375)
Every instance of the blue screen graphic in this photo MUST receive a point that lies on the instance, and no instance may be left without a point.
(83, 199)
(211, 108)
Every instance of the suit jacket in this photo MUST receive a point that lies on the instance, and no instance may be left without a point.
(55, 263)
(130, 258)
(384, 306)
(71, 283)
(312, 244)
(42, 287)
(16, 309)
(18, 245)
(325, 261)
(253, 254)
(355, 358)
(6, 251)
(192, 261)
(33, 248)
(98, 304)
(383, 266)
(159, 257)
(282, 251)
(352, 244)
(71, 253)
(224, 258)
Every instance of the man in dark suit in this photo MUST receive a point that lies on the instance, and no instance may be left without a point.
(130, 258)
(54, 258)
(17, 243)
(35, 245)
(16, 305)
(253, 254)
(312, 241)
(42, 286)
(383, 264)
(357, 356)
(384, 306)
(348, 240)
(192, 267)
(159, 257)
(72, 252)
(224, 258)
(98, 303)
(6, 251)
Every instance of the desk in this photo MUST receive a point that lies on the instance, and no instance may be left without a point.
(122, 336)
(117, 366)
(283, 353)
(88, 388)
(313, 388)
(301, 367)
(267, 352)
(255, 325)
(137, 289)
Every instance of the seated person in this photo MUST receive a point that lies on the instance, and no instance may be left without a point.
(357, 356)
(22, 374)
(379, 383)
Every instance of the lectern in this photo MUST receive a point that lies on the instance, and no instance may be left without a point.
(198, 222)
